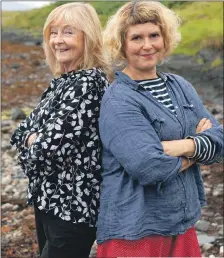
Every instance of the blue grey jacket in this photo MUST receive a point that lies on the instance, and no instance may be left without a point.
(143, 192)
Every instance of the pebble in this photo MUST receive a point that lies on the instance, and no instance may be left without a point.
(219, 220)
(207, 246)
(204, 238)
(15, 207)
(9, 188)
(206, 172)
(220, 228)
(6, 180)
(202, 225)
(16, 235)
(218, 190)
(6, 123)
(16, 196)
(7, 207)
(208, 190)
(17, 114)
(221, 250)
(208, 213)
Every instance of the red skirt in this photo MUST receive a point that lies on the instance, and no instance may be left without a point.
(185, 245)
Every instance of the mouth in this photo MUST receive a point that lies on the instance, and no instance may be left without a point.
(61, 50)
(148, 55)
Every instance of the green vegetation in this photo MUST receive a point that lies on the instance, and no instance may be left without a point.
(202, 21)
(7, 113)
(33, 20)
(217, 62)
(202, 27)
(200, 61)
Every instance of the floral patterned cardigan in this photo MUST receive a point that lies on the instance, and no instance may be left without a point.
(63, 164)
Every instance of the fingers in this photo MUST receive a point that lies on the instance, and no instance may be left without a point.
(31, 138)
(203, 125)
(200, 124)
(206, 125)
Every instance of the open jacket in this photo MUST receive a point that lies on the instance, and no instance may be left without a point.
(63, 164)
(143, 191)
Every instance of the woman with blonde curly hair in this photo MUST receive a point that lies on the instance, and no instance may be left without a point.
(59, 145)
(155, 132)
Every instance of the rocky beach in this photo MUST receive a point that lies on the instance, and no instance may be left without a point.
(24, 78)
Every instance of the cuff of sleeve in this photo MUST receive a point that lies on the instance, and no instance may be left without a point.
(196, 147)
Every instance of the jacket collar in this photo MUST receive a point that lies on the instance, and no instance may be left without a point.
(120, 76)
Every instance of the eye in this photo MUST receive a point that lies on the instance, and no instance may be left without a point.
(135, 38)
(53, 32)
(69, 32)
(154, 35)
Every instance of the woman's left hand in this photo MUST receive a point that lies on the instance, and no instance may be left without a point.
(177, 148)
(203, 125)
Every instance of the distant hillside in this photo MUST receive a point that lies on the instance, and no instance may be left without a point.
(202, 22)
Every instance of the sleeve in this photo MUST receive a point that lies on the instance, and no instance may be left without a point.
(204, 149)
(58, 136)
(132, 140)
(28, 126)
(214, 135)
(23, 131)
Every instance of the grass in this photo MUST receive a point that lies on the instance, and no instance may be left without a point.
(202, 27)
(7, 113)
(217, 62)
(33, 20)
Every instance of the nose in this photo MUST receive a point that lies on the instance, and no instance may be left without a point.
(147, 44)
(58, 39)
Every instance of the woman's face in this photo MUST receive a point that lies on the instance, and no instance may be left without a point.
(144, 48)
(67, 45)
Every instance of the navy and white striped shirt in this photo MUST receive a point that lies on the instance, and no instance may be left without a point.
(204, 148)
(159, 91)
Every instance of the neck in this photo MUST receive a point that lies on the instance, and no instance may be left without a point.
(140, 74)
(70, 68)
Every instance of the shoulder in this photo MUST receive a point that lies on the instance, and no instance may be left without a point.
(176, 77)
(93, 78)
(180, 83)
(92, 74)
(115, 91)
(120, 93)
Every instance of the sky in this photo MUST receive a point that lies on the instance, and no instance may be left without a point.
(22, 5)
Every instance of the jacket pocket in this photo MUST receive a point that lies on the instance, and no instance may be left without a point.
(158, 125)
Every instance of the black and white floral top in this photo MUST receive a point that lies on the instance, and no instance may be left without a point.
(63, 164)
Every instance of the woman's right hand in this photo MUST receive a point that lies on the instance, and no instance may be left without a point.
(31, 139)
(203, 125)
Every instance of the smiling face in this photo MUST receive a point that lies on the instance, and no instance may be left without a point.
(144, 49)
(67, 45)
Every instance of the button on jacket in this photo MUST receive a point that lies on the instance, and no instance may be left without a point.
(143, 191)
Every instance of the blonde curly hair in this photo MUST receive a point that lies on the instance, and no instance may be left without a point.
(140, 12)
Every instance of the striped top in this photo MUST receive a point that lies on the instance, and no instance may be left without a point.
(158, 89)
(204, 148)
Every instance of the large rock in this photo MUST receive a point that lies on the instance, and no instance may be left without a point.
(18, 113)
(202, 225)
